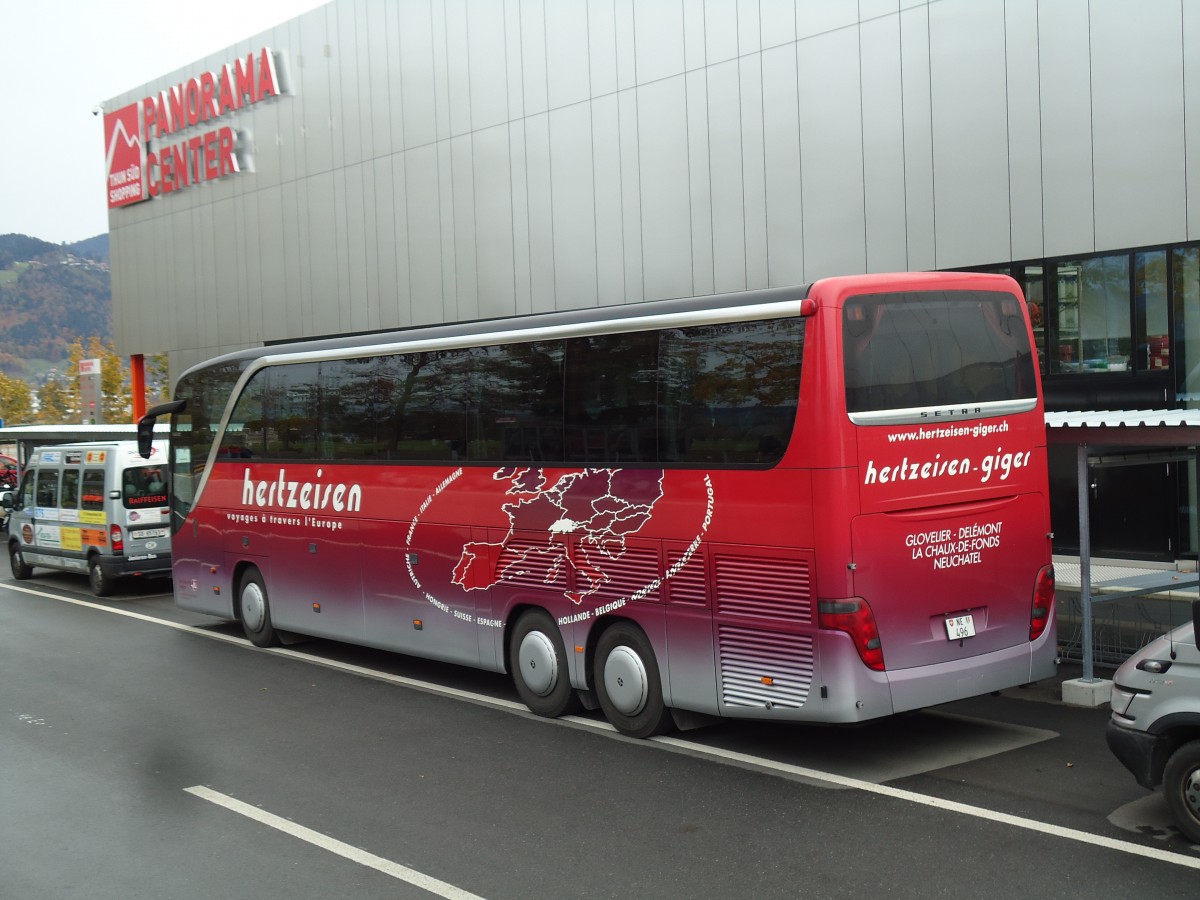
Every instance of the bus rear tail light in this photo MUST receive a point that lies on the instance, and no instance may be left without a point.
(1043, 600)
(116, 539)
(854, 617)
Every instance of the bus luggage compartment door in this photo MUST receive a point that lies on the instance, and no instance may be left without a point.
(951, 582)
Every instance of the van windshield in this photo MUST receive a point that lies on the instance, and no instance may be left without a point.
(144, 486)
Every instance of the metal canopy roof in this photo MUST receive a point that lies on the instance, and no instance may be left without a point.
(1125, 427)
(27, 437)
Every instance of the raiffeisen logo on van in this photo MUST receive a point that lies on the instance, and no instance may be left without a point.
(282, 493)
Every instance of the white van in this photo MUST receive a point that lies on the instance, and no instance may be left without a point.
(1155, 724)
(97, 507)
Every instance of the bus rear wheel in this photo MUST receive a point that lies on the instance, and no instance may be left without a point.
(539, 665)
(100, 583)
(627, 682)
(255, 610)
(16, 561)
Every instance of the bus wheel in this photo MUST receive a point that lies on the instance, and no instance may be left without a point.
(16, 561)
(101, 583)
(627, 682)
(539, 665)
(1181, 782)
(255, 611)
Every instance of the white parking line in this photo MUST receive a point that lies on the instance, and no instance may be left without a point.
(677, 745)
(354, 854)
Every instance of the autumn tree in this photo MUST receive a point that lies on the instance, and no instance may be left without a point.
(16, 400)
(58, 404)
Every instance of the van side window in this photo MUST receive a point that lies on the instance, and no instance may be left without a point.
(93, 490)
(47, 488)
(70, 489)
(26, 496)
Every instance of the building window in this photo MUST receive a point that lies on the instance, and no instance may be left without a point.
(1185, 277)
(1150, 310)
(1093, 316)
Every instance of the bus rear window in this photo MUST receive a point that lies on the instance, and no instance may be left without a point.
(935, 348)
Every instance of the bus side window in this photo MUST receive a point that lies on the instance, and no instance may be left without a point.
(47, 488)
(70, 489)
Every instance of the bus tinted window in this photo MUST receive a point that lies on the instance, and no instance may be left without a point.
(518, 411)
(935, 349)
(716, 394)
(729, 392)
(609, 404)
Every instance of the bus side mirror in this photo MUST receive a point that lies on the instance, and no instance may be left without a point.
(1196, 622)
(145, 425)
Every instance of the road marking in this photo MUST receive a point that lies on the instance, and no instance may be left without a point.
(344, 850)
(677, 745)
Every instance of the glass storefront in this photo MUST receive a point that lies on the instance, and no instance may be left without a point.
(1120, 331)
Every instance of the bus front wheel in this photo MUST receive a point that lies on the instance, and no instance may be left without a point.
(539, 665)
(1181, 782)
(627, 682)
(255, 610)
(100, 583)
(16, 561)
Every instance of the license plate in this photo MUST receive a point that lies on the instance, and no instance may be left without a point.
(142, 534)
(959, 627)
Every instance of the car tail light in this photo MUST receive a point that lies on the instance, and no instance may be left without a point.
(855, 618)
(1043, 600)
(115, 539)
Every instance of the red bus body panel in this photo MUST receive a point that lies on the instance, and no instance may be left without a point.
(723, 569)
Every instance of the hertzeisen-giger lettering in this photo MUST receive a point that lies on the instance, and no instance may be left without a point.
(1000, 463)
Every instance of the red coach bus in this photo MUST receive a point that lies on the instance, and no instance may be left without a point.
(823, 503)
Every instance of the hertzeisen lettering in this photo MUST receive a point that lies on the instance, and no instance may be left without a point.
(315, 495)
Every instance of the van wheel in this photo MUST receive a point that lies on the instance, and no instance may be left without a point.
(627, 682)
(1181, 782)
(255, 611)
(539, 665)
(16, 561)
(101, 583)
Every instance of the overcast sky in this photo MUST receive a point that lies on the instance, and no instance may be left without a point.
(59, 59)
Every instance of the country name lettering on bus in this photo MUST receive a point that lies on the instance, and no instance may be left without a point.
(999, 463)
(281, 493)
(940, 432)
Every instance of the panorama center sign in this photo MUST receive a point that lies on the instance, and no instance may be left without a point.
(185, 135)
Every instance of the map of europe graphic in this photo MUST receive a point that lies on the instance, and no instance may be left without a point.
(601, 506)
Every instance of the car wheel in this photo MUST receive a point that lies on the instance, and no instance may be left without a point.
(1181, 782)
(101, 583)
(627, 682)
(539, 664)
(16, 561)
(255, 610)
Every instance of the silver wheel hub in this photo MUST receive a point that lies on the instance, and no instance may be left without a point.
(625, 681)
(253, 607)
(1191, 792)
(538, 663)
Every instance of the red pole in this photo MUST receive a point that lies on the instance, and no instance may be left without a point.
(137, 377)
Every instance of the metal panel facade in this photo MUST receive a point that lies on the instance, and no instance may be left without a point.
(433, 160)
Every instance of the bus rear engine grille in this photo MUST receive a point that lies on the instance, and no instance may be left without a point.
(776, 589)
(759, 669)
